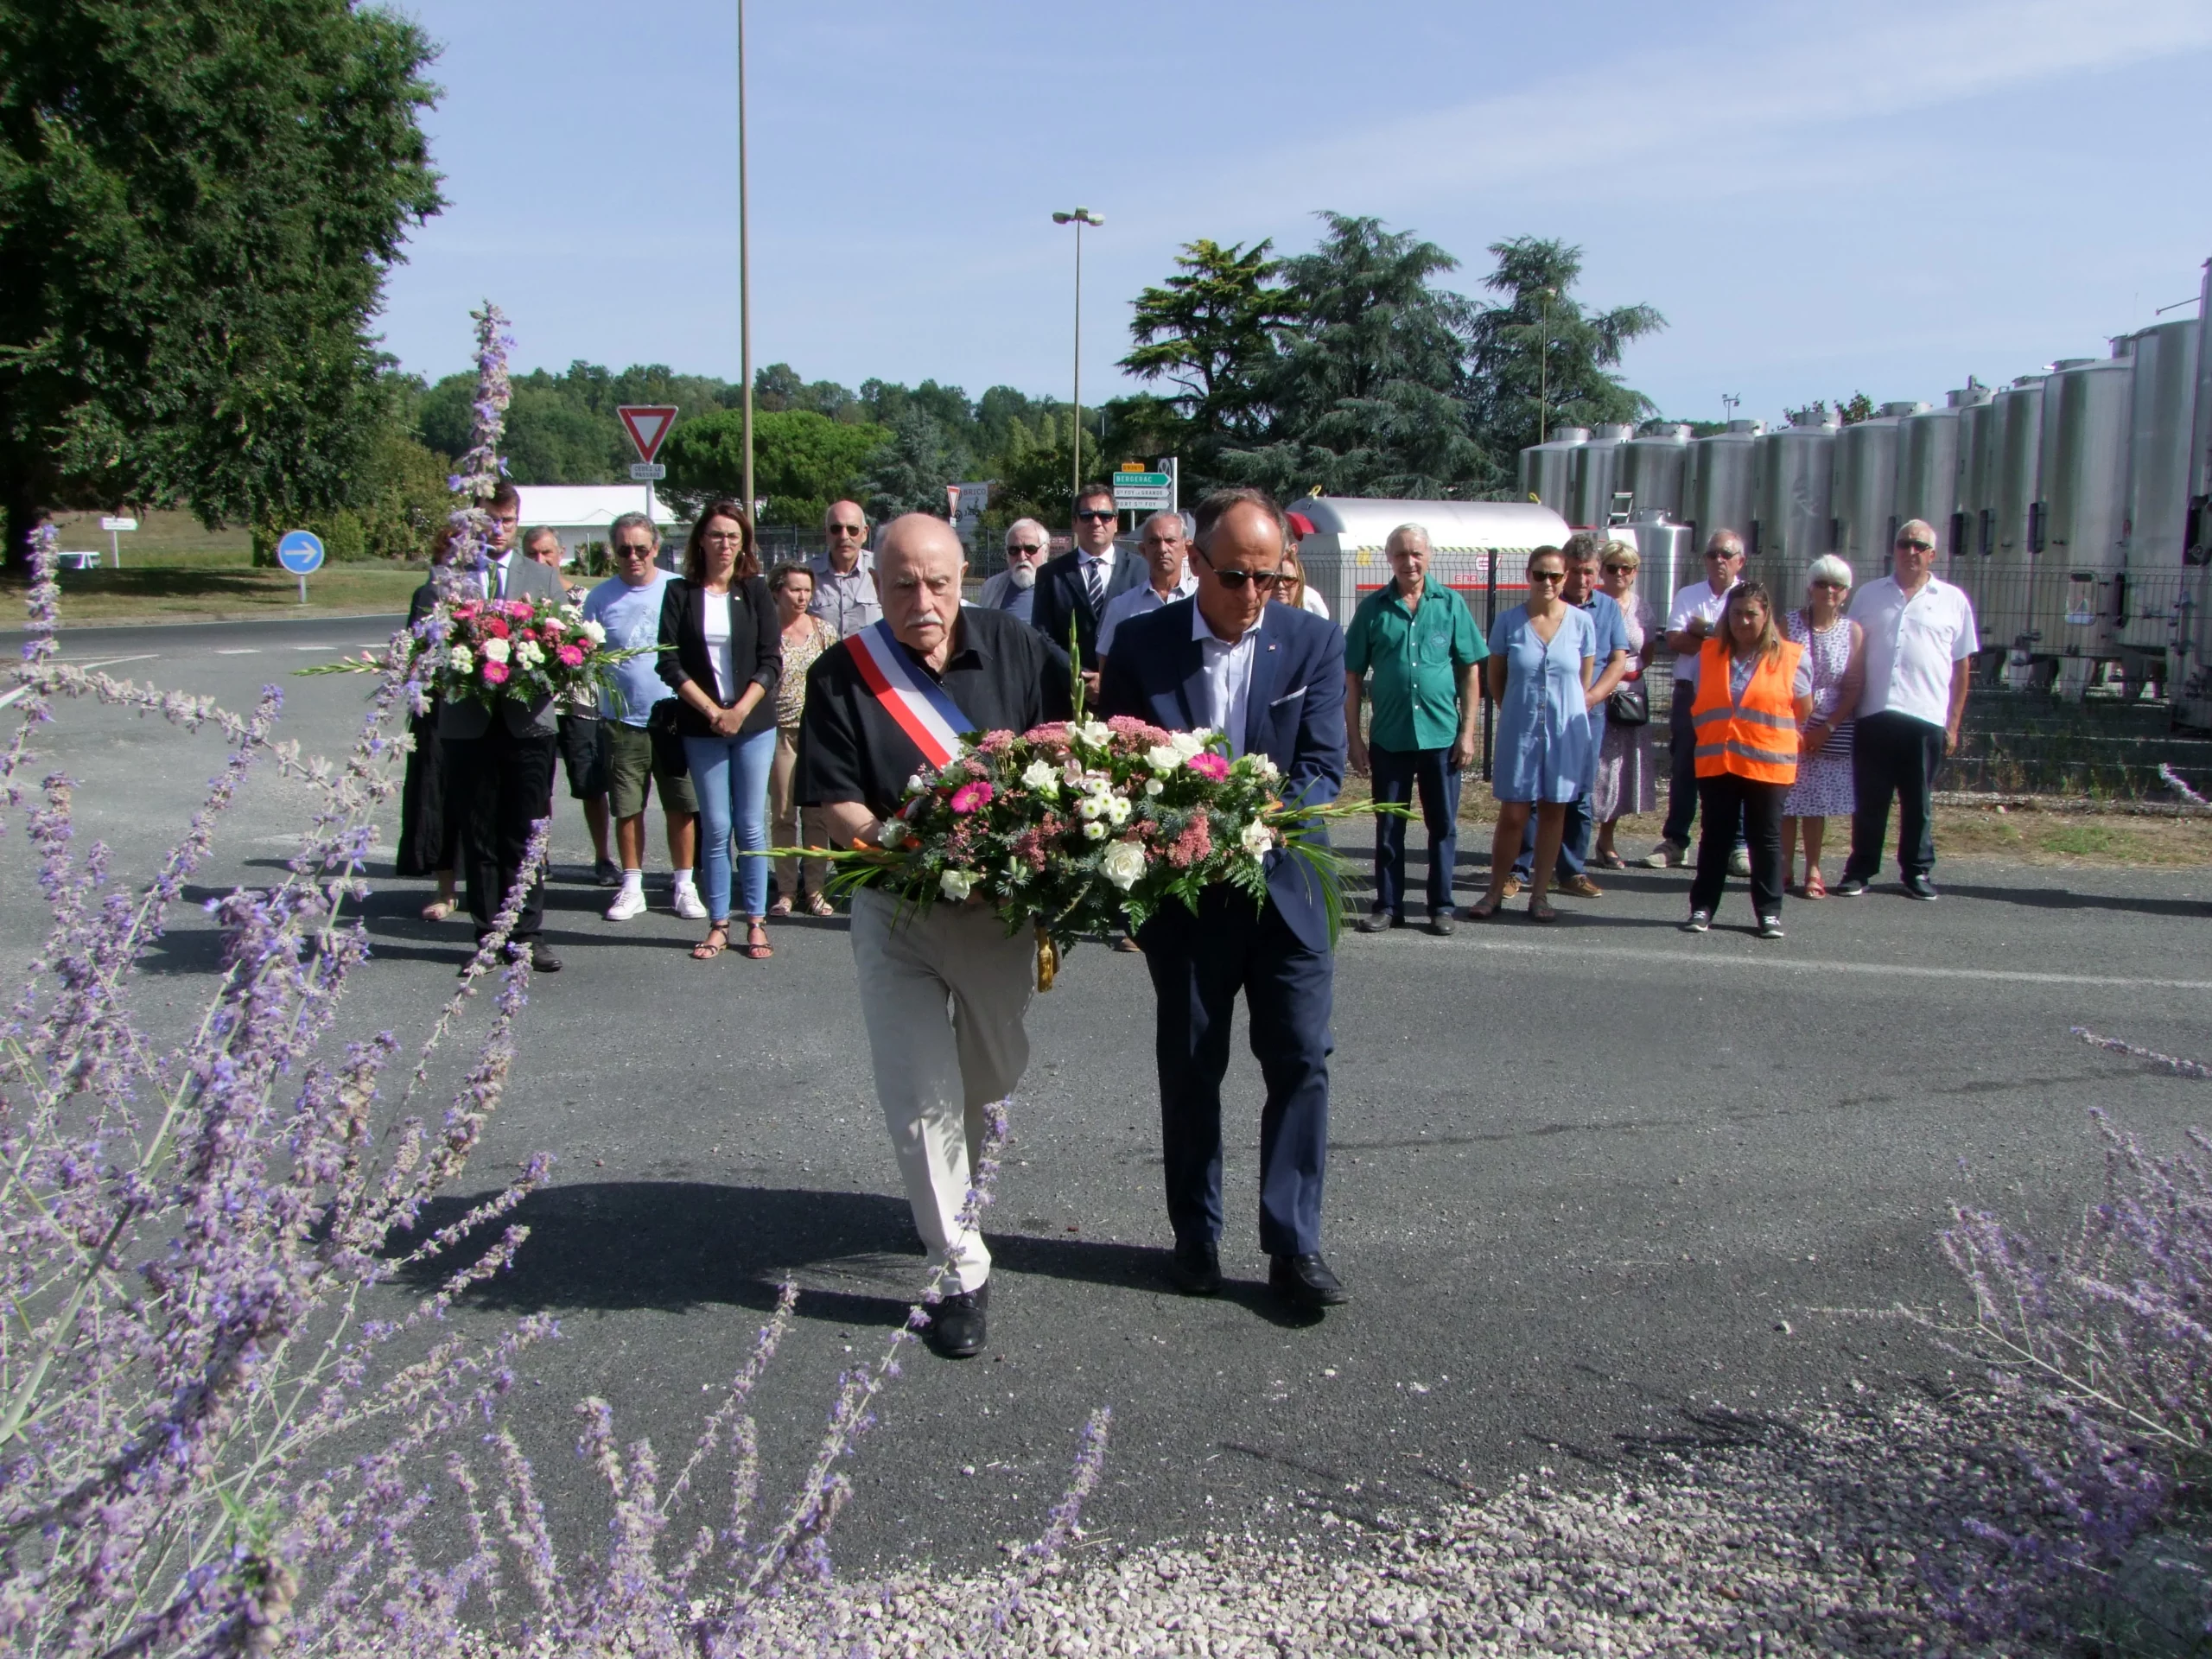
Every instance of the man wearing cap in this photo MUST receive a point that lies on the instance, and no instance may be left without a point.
(1921, 640)
(1014, 589)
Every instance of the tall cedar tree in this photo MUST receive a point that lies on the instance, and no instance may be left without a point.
(1367, 392)
(199, 200)
(1210, 332)
(1539, 349)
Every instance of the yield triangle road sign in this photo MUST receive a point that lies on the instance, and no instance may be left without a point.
(647, 424)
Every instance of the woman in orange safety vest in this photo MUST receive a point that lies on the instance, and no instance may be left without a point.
(1754, 693)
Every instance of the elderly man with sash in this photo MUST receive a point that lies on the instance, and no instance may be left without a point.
(943, 991)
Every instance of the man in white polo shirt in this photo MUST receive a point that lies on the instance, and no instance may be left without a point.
(1921, 640)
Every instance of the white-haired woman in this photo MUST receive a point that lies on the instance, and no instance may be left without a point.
(1835, 647)
(1627, 779)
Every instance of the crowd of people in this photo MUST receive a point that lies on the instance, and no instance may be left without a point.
(781, 709)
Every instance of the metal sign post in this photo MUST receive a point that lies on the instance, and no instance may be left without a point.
(114, 527)
(300, 551)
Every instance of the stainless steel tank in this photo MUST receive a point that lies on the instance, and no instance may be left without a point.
(2154, 533)
(2014, 477)
(1724, 488)
(1591, 470)
(1546, 467)
(1931, 450)
(2086, 404)
(1667, 562)
(2193, 674)
(1651, 469)
(1796, 519)
(1866, 489)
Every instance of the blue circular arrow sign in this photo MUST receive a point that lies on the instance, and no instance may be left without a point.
(300, 551)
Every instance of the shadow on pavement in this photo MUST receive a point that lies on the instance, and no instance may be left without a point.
(677, 1246)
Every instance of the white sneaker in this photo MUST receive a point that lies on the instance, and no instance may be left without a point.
(628, 904)
(688, 905)
(1739, 862)
(1667, 855)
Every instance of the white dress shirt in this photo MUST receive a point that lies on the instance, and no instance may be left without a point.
(1135, 602)
(1698, 600)
(1086, 562)
(494, 574)
(1226, 665)
(1912, 644)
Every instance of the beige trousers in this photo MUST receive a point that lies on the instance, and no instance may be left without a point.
(943, 993)
(790, 824)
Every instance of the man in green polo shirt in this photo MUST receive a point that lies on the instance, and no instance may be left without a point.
(1422, 646)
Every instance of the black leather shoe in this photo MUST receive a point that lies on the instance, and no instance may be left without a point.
(956, 1328)
(1440, 923)
(1195, 1268)
(1920, 888)
(1306, 1281)
(541, 959)
(1378, 921)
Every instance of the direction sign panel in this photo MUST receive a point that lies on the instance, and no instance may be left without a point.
(1142, 490)
(300, 551)
(647, 472)
(119, 523)
(647, 425)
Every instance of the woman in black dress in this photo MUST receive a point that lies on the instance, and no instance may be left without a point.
(429, 837)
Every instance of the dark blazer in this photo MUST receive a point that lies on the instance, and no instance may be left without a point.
(465, 717)
(756, 650)
(1293, 713)
(1061, 595)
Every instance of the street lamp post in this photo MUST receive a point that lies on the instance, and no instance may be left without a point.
(744, 267)
(1544, 366)
(1079, 218)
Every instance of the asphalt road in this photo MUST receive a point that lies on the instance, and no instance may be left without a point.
(1580, 1178)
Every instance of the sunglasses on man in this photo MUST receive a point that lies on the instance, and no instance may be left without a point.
(1234, 580)
(1094, 514)
(1024, 547)
(848, 530)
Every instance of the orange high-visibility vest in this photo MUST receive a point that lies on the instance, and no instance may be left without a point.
(1757, 738)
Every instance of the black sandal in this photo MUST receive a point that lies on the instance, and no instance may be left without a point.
(709, 948)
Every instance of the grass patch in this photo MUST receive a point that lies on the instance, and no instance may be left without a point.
(182, 592)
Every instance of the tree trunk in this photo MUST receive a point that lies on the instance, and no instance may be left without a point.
(23, 517)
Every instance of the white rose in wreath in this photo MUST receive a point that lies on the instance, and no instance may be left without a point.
(495, 650)
(956, 885)
(1256, 839)
(1163, 759)
(1122, 864)
(1041, 778)
(1187, 744)
(593, 632)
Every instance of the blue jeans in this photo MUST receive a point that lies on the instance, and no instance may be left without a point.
(730, 777)
(1395, 773)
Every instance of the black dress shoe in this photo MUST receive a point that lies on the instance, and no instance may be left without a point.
(1920, 888)
(956, 1328)
(1440, 923)
(1195, 1268)
(1378, 921)
(1306, 1281)
(541, 959)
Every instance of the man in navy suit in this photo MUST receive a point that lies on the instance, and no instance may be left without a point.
(1273, 678)
(1077, 584)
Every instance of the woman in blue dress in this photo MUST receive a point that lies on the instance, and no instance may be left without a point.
(1542, 655)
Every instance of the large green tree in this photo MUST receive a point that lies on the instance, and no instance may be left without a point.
(801, 462)
(1210, 332)
(199, 202)
(1540, 361)
(1367, 392)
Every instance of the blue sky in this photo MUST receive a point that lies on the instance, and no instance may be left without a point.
(1874, 196)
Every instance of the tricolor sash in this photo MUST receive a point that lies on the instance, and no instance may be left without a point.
(918, 702)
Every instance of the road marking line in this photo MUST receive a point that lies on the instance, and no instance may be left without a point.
(1691, 958)
(238, 651)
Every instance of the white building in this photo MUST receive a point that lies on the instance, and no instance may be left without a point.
(581, 513)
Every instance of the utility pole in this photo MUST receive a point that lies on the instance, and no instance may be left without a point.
(744, 268)
(1544, 367)
(1079, 218)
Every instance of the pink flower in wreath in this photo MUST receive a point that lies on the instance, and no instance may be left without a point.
(970, 797)
(1207, 763)
(1193, 845)
(1129, 725)
(995, 742)
(571, 655)
(495, 673)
